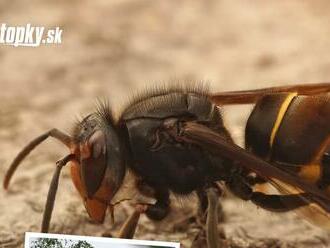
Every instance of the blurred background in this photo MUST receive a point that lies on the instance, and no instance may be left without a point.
(114, 48)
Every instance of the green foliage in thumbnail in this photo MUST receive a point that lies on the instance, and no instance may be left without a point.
(57, 243)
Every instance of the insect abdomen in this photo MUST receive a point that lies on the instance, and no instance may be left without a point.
(264, 121)
(298, 138)
(305, 128)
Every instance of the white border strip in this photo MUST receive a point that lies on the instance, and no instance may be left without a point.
(29, 235)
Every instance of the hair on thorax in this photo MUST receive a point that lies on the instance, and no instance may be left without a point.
(200, 88)
(105, 114)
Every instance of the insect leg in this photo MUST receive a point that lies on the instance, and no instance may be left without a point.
(128, 229)
(161, 208)
(207, 217)
(212, 234)
(274, 203)
(55, 133)
(278, 203)
(203, 206)
(157, 211)
(198, 218)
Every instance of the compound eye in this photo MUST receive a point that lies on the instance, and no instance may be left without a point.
(93, 158)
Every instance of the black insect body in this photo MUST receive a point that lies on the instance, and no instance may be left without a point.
(164, 163)
(174, 141)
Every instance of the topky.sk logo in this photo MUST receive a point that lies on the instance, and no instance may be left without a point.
(31, 36)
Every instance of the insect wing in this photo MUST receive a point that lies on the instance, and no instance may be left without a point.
(313, 212)
(208, 139)
(252, 96)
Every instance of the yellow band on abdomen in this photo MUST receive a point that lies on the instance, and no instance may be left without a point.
(281, 113)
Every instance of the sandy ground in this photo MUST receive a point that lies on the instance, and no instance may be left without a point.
(113, 48)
